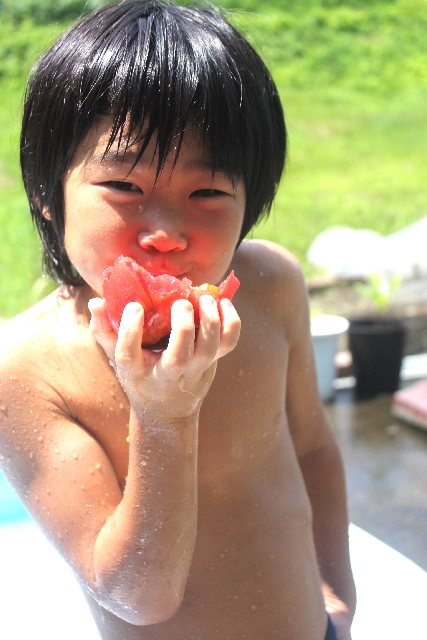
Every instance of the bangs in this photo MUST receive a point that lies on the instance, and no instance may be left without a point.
(154, 75)
(154, 68)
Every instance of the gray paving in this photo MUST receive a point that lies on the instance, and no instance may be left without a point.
(386, 469)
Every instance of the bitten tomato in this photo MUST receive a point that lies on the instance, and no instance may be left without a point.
(127, 282)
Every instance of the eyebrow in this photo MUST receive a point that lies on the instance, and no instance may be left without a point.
(130, 158)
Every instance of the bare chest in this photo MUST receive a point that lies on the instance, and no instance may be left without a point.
(239, 417)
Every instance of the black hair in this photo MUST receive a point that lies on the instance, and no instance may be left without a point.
(157, 66)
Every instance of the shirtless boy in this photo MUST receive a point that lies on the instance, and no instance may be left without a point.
(197, 492)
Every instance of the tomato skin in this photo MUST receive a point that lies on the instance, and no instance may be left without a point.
(126, 282)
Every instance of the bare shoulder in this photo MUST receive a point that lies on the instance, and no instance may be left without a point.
(31, 337)
(270, 261)
(34, 350)
(272, 275)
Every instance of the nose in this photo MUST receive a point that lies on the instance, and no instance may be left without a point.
(162, 240)
(162, 230)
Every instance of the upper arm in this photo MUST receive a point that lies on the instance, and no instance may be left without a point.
(307, 420)
(306, 417)
(59, 470)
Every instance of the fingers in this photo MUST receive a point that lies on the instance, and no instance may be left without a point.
(122, 349)
(217, 335)
(230, 327)
(128, 352)
(181, 342)
(219, 329)
(209, 333)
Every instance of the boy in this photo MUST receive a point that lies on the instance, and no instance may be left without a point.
(197, 492)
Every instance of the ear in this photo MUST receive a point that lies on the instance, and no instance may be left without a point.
(46, 213)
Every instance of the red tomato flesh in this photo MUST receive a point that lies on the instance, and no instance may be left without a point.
(126, 282)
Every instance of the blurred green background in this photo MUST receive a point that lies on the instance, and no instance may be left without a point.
(353, 79)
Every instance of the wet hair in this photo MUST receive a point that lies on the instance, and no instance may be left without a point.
(153, 67)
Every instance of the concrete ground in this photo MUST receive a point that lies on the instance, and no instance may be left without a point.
(386, 468)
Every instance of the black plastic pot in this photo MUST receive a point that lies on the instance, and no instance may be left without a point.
(377, 346)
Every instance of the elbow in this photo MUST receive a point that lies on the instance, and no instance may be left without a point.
(147, 605)
(161, 613)
(155, 614)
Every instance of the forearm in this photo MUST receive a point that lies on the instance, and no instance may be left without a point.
(325, 482)
(143, 553)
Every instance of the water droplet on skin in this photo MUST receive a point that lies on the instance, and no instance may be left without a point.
(40, 438)
(54, 466)
(56, 451)
(82, 487)
(75, 456)
(91, 471)
(97, 466)
(3, 408)
(48, 490)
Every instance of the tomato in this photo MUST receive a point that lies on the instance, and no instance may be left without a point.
(126, 281)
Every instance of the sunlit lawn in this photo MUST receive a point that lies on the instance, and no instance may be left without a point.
(356, 158)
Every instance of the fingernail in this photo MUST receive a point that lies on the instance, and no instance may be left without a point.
(134, 307)
(91, 303)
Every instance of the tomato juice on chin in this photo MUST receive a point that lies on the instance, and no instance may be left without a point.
(126, 281)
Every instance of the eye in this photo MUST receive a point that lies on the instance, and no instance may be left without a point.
(207, 193)
(123, 186)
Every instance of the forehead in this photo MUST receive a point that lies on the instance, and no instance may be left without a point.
(99, 149)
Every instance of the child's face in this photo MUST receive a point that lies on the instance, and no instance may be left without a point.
(186, 224)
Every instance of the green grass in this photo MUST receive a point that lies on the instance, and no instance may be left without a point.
(353, 162)
(353, 80)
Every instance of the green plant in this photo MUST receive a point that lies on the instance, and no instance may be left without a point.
(353, 78)
(45, 11)
(379, 289)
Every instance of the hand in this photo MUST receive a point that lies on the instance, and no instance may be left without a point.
(173, 383)
(339, 614)
(342, 623)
